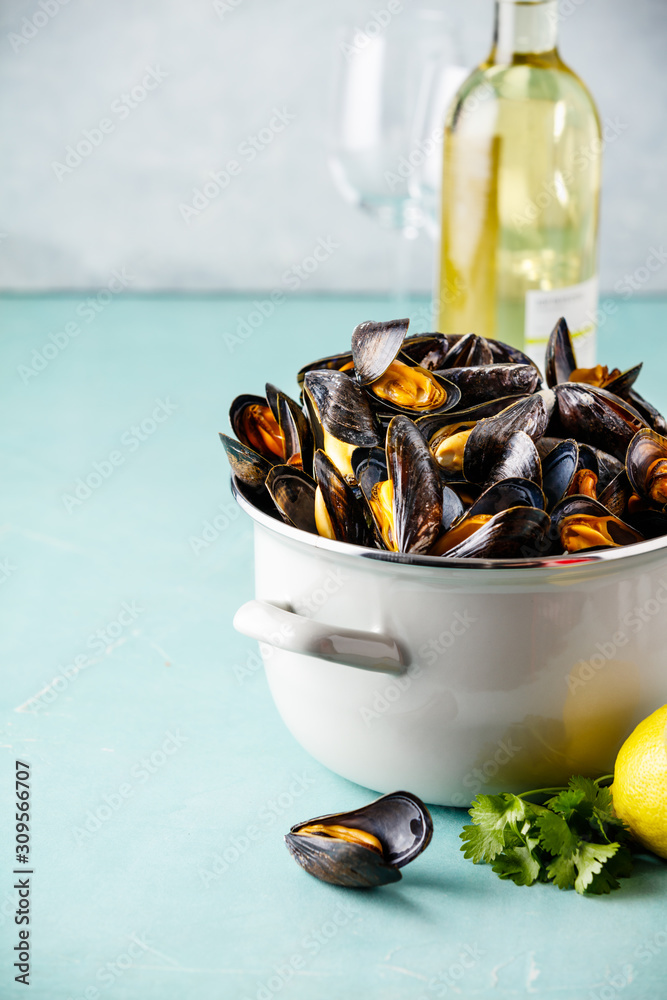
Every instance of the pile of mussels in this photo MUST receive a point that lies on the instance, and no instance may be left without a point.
(452, 446)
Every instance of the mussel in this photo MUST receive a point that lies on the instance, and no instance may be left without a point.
(338, 512)
(646, 466)
(597, 417)
(364, 847)
(397, 384)
(256, 426)
(585, 523)
(512, 492)
(340, 416)
(407, 507)
(561, 366)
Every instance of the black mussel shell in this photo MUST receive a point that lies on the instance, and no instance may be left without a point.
(513, 492)
(294, 425)
(293, 493)
(597, 417)
(645, 450)
(370, 467)
(506, 354)
(247, 465)
(238, 418)
(560, 361)
(417, 487)
(340, 863)
(518, 459)
(487, 382)
(469, 350)
(347, 513)
(336, 362)
(487, 444)
(431, 423)
(608, 466)
(558, 468)
(519, 532)
(623, 383)
(298, 438)
(426, 349)
(452, 508)
(340, 407)
(621, 533)
(653, 417)
(374, 347)
(400, 821)
(616, 494)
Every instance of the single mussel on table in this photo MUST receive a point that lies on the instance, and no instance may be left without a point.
(364, 847)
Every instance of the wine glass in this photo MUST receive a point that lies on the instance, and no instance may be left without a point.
(383, 101)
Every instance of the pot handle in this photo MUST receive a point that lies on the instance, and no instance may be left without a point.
(287, 630)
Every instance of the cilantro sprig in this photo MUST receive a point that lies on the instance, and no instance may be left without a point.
(572, 839)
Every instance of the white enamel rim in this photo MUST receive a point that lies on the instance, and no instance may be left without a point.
(567, 562)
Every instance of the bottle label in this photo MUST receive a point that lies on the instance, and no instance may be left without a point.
(578, 304)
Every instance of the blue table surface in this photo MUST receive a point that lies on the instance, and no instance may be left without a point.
(162, 778)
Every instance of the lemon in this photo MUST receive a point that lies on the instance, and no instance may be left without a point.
(640, 782)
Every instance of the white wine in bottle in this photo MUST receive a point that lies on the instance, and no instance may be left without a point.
(520, 196)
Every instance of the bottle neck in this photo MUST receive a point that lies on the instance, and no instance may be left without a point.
(524, 27)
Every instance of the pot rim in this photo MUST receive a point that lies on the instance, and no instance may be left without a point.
(563, 562)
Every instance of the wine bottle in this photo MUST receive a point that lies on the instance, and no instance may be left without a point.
(520, 195)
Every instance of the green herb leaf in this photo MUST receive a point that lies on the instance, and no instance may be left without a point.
(517, 864)
(491, 814)
(556, 837)
(589, 859)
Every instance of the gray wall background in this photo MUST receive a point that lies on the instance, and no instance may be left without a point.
(226, 71)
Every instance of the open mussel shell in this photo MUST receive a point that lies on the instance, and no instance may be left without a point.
(561, 366)
(646, 466)
(616, 494)
(519, 532)
(339, 513)
(341, 417)
(597, 417)
(568, 468)
(336, 362)
(653, 417)
(406, 387)
(400, 823)
(255, 425)
(486, 446)
(426, 349)
(293, 493)
(469, 350)
(447, 433)
(294, 427)
(482, 383)
(585, 523)
(558, 469)
(501, 496)
(247, 465)
(417, 488)
(374, 347)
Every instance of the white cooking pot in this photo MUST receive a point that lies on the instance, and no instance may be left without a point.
(451, 677)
